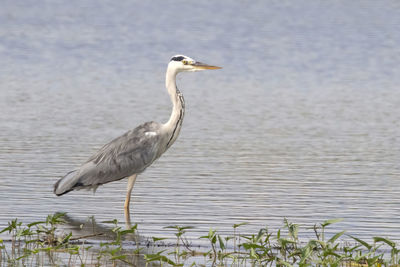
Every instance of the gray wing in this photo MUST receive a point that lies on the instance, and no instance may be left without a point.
(128, 154)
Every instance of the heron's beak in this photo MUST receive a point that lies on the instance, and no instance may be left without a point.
(202, 66)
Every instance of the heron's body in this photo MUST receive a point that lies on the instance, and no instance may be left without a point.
(131, 153)
(126, 155)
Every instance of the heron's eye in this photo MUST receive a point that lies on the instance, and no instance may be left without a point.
(185, 62)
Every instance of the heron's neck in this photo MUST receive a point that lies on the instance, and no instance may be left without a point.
(174, 123)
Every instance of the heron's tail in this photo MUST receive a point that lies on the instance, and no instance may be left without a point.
(66, 184)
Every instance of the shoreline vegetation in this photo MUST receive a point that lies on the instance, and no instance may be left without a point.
(49, 243)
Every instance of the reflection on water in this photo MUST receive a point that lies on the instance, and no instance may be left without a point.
(303, 122)
(90, 244)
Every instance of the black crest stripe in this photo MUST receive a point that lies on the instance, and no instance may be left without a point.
(180, 58)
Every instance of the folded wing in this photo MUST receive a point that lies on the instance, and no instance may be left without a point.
(128, 154)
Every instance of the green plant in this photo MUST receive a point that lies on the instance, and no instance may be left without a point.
(43, 242)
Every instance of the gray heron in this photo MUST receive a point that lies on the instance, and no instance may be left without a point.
(130, 154)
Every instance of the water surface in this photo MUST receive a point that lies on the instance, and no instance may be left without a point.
(303, 121)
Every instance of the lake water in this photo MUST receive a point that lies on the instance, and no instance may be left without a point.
(302, 122)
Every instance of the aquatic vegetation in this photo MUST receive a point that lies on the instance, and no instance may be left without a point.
(47, 242)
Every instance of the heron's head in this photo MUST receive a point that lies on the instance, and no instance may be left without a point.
(183, 63)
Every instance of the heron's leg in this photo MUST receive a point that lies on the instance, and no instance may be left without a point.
(131, 183)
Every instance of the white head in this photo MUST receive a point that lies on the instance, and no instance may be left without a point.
(180, 63)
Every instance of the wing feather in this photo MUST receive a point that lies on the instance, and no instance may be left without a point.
(128, 154)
